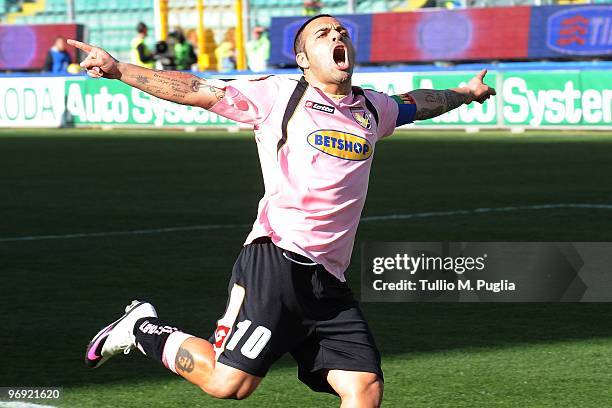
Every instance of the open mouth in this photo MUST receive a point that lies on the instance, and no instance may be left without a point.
(340, 57)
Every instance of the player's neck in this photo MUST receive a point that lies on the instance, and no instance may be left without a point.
(334, 90)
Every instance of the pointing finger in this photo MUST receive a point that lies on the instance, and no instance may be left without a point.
(89, 63)
(482, 74)
(80, 45)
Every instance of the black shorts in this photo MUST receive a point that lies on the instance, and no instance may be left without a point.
(296, 307)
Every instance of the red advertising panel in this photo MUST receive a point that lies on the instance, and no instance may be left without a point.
(486, 33)
(25, 47)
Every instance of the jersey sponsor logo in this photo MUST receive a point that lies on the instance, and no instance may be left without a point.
(320, 107)
(341, 144)
(362, 117)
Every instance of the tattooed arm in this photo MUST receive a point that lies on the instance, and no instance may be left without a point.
(431, 103)
(179, 87)
(175, 86)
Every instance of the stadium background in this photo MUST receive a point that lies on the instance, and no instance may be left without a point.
(104, 196)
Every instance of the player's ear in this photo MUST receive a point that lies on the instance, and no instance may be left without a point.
(302, 60)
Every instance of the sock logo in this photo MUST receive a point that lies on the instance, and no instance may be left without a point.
(320, 107)
(149, 328)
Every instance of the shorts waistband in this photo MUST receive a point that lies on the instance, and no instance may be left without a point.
(292, 256)
(262, 240)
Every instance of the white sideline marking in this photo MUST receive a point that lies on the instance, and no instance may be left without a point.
(363, 219)
(129, 232)
(484, 211)
(18, 404)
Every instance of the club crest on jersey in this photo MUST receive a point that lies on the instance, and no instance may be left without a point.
(362, 117)
(341, 144)
(320, 107)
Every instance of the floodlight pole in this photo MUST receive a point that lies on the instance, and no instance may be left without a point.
(203, 58)
(240, 54)
(351, 6)
(160, 16)
(163, 20)
(70, 10)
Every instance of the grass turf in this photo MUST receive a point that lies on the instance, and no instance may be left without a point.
(57, 293)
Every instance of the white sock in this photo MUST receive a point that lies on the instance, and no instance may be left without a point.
(171, 348)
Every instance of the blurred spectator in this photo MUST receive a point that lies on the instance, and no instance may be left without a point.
(258, 50)
(312, 7)
(226, 52)
(58, 58)
(184, 55)
(452, 4)
(164, 53)
(141, 55)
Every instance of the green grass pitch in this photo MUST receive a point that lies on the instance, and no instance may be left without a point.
(57, 293)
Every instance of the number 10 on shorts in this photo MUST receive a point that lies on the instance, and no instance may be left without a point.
(256, 341)
(254, 344)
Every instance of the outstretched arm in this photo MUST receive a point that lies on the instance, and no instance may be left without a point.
(431, 103)
(174, 86)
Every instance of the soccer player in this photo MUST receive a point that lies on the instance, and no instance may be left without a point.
(316, 139)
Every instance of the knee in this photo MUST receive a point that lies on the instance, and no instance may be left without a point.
(371, 393)
(228, 391)
(368, 392)
(231, 387)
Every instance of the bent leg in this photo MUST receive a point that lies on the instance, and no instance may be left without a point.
(258, 327)
(357, 389)
(195, 361)
(192, 358)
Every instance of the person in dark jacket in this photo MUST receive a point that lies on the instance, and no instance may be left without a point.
(58, 59)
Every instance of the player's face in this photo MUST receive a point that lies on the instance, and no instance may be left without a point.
(329, 50)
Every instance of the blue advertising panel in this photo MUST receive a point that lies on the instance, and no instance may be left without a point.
(564, 31)
(283, 30)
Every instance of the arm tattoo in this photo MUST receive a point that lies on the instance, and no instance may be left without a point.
(432, 103)
(179, 87)
(426, 113)
(141, 79)
(198, 84)
(184, 360)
